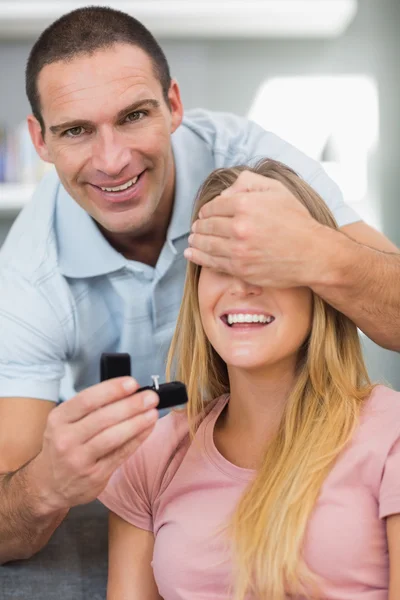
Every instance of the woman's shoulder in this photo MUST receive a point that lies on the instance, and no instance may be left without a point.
(383, 401)
(171, 428)
(168, 433)
(166, 446)
(380, 417)
(380, 436)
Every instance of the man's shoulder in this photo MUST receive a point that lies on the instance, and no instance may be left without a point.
(208, 123)
(233, 139)
(30, 248)
(222, 131)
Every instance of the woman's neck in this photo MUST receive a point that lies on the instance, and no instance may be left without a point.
(257, 402)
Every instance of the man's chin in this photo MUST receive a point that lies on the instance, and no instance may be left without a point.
(120, 227)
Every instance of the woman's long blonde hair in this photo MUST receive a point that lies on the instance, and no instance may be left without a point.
(267, 530)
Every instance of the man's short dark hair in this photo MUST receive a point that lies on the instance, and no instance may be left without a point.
(83, 32)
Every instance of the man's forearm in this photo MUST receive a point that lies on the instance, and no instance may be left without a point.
(363, 283)
(25, 523)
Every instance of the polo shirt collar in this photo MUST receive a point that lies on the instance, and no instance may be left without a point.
(84, 252)
(193, 162)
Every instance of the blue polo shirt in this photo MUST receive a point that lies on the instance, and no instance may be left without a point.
(66, 295)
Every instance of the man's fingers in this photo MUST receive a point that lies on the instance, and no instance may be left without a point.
(237, 197)
(205, 260)
(116, 437)
(106, 465)
(217, 247)
(95, 397)
(220, 206)
(114, 413)
(251, 182)
(218, 226)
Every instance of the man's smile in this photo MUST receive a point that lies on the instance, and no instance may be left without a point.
(127, 190)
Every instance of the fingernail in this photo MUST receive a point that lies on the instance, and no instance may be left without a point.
(150, 400)
(151, 415)
(129, 384)
(190, 240)
(187, 253)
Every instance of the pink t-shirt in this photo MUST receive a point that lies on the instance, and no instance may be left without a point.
(184, 491)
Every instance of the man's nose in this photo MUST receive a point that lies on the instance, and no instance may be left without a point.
(110, 154)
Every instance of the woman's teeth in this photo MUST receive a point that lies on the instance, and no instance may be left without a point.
(247, 318)
(120, 188)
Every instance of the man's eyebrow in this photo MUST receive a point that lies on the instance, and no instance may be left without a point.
(122, 113)
(138, 104)
(69, 125)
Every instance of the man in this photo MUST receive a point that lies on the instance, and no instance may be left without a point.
(96, 262)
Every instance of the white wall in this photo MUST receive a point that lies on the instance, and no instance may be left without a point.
(225, 75)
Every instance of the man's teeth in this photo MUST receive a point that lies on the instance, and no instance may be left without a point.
(247, 318)
(122, 187)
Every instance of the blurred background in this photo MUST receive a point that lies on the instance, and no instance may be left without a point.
(323, 74)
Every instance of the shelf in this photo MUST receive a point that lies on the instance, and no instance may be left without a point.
(197, 18)
(14, 196)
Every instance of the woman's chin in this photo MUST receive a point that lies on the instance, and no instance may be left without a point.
(245, 359)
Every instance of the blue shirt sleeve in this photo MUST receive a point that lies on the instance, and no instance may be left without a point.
(262, 144)
(33, 345)
(236, 140)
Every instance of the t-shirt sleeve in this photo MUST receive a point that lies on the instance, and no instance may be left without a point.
(127, 493)
(135, 485)
(389, 495)
(265, 144)
(33, 346)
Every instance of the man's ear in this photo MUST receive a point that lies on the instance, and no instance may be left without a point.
(37, 138)
(175, 104)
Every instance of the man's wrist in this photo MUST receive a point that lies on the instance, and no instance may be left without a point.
(28, 521)
(42, 504)
(332, 256)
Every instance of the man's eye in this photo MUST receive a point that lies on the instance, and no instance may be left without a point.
(135, 116)
(74, 131)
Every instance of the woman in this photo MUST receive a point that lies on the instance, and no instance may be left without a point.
(281, 478)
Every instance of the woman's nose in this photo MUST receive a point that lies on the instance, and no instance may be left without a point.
(243, 288)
